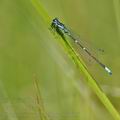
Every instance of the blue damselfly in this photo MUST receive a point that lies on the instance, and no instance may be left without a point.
(58, 26)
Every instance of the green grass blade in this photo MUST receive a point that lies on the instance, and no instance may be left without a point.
(41, 11)
(41, 109)
(81, 66)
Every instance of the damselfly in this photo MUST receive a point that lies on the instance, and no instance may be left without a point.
(58, 26)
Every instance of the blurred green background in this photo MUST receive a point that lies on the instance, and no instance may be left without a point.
(27, 48)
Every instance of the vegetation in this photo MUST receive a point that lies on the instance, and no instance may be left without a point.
(65, 85)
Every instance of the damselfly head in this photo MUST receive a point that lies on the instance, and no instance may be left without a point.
(55, 21)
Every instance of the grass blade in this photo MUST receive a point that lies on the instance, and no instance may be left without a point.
(42, 113)
(81, 65)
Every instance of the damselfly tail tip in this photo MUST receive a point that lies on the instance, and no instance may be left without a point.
(110, 73)
(108, 70)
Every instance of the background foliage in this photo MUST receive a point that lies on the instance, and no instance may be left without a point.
(27, 48)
